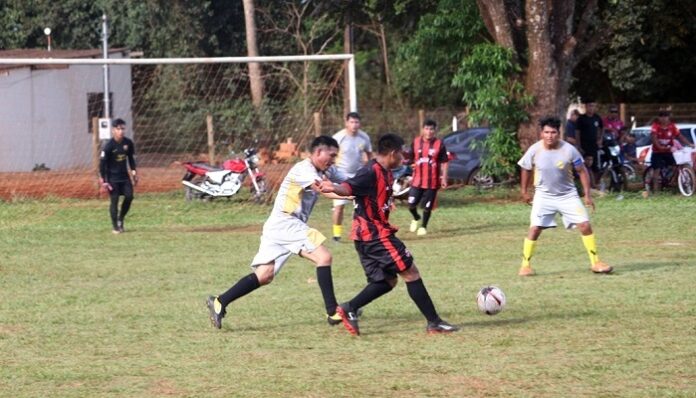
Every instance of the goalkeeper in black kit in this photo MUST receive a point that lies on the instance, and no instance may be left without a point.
(113, 170)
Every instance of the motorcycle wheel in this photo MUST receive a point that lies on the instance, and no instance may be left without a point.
(686, 181)
(480, 180)
(613, 180)
(262, 194)
(190, 193)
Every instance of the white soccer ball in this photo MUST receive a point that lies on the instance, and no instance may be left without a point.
(490, 300)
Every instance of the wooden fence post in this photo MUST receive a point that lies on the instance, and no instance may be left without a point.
(211, 139)
(421, 120)
(317, 124)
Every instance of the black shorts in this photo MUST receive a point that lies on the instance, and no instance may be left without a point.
(384, 258)
(426, 197)
(659, 160)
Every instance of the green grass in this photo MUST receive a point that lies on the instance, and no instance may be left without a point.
(84, 313)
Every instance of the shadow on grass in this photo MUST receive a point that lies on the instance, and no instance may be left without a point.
(635, 267)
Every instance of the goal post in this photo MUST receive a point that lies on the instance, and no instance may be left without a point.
(176, 109)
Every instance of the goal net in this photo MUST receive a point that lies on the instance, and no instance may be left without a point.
(176, 110)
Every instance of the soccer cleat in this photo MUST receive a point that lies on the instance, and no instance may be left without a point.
(115, 231)
(335, 319)
(440, 327)
(421, 231)
(337, 239)
(526, 271)
(119, 225)
(414, 226)
(601, 268)
(216, 311)
(349, 319)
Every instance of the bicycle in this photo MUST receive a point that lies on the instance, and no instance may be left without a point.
(682, 175)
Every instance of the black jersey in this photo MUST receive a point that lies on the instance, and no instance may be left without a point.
(590, 128)
(112, 166)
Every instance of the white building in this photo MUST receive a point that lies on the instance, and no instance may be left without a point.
(46, 110)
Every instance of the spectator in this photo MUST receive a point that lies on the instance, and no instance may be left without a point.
(571, 126)
(613, 124)
(589, 135)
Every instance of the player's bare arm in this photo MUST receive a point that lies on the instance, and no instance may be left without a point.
(585, 181)
(524, 186)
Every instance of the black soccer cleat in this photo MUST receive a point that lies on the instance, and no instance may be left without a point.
(216, 314)
(119, 225)
(440, 327)
(349, 319)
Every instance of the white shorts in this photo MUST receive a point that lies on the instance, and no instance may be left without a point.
(342, 202)
(544, 211)
(282, 237)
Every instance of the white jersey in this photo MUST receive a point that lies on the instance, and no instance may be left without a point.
(553, 168)
(296, 198)
(350, 150)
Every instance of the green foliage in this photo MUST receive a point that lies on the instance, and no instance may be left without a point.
(488, 81)
(426, 62)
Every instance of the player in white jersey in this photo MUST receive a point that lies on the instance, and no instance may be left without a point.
(552, 161)
(354, 149)
(286, 232)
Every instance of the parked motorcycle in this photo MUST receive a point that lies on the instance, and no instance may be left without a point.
(205, 181)
(612, 170)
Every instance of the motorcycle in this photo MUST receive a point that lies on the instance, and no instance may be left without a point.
(402, 182)
(204, 181)
(612, 169)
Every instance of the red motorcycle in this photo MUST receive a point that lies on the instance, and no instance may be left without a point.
(203, 181)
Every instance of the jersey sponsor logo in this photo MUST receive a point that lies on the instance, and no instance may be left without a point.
(102, 154)
(560, 164)
(125, 147)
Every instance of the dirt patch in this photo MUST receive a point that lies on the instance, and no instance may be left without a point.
(83, 184)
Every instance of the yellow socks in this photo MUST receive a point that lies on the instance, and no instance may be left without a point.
(527, 251)
(591, 246)
(337, 231)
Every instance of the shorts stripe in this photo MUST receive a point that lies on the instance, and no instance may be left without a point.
(389, 245)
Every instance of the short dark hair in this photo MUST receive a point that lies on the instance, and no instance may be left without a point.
(663, 113)
(389, 142)
(352, 115)
(118, 122)
(429, 122)
(588, 100)
(551, 121)
(324, 140)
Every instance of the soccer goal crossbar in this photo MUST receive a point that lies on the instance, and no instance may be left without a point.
(209, 60)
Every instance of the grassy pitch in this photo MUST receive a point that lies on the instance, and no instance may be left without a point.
(84, 313)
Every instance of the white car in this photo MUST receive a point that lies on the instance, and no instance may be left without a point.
(644, 141)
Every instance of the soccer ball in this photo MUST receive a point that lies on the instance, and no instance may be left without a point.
(490, 300)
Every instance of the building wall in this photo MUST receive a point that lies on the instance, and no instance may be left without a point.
(44, 115)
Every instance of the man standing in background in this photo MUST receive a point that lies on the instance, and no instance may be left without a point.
(352, 144)
(114, 173)
(589, 134)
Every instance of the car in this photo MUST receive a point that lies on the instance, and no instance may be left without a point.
(644, 141)
(465, 162)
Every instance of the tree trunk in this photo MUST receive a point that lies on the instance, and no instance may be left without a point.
(255, 79)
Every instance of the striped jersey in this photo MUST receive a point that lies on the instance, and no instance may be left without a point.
(427, 158)
(372, 188)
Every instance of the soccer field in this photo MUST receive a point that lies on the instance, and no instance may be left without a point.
(84, 313)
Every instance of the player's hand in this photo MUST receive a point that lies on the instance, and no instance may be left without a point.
(443, 183)
(589, 202)
(105, 186)
(136, 179)
(527, 198)
(324, 185)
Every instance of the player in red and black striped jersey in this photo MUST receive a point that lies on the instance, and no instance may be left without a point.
(382, 255)
(429, 174)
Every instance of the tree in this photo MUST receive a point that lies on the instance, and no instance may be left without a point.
(549, 39)
(255, 79)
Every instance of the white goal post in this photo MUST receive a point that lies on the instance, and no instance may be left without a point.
(210, 60)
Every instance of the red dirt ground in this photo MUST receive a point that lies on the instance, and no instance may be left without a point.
(83, 184)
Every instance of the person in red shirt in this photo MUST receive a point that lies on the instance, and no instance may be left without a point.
(383, 256)
(663, 134)
(429, 174)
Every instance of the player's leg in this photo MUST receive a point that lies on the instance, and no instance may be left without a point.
(321, 257)
(125, 206)
(428, 204)
(541, 217)
(114, 195)
(590, 243)
(337, 218)
(420, 296)
(217, 305)
(414, 197)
